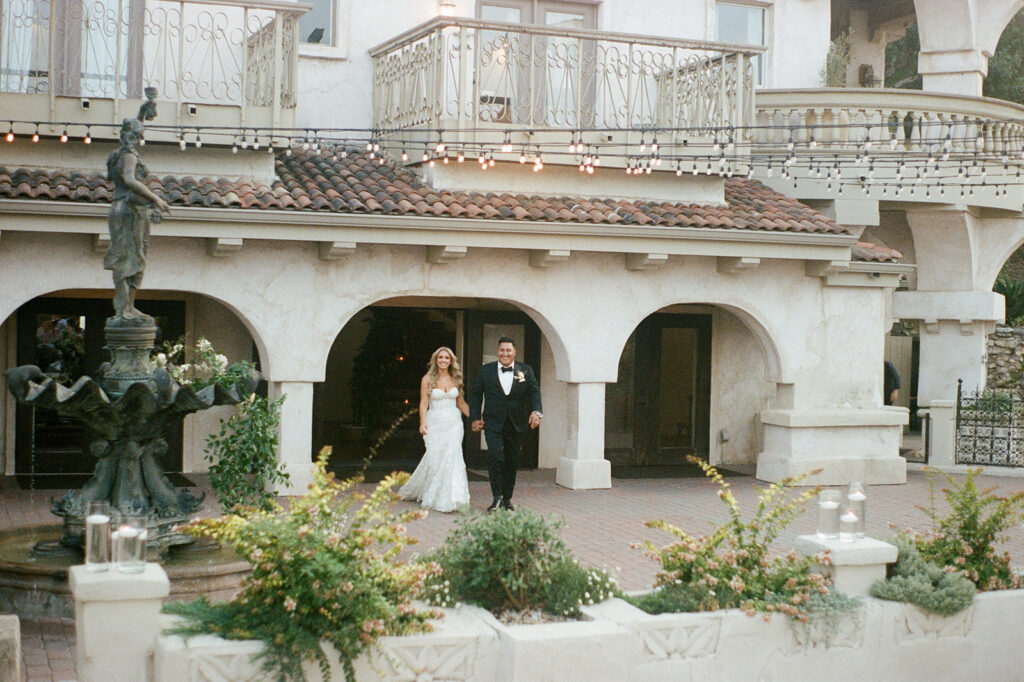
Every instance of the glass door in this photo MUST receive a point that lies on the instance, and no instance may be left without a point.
(658, 411)
(536, 79)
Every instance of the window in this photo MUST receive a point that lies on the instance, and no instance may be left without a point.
(316, 26)
(744, 25)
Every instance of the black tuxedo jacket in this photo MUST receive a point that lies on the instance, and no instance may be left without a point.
(523, 399)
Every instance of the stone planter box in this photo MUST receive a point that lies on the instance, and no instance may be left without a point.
(882, 640)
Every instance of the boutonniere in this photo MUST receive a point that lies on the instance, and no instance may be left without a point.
(520, 377)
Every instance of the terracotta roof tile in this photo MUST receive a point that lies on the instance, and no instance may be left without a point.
(307, 181)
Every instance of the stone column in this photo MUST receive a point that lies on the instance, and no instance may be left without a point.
(116, 622)
(584, 465)
(295, 443)
(959, 72)
(954, 329)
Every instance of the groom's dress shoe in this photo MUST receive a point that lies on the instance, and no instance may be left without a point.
(496, 503)
(507, 504)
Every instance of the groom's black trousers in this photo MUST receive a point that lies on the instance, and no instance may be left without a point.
(503, 450)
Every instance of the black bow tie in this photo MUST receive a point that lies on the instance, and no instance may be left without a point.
(506, 369)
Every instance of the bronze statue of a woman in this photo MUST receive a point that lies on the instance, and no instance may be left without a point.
(129, 217)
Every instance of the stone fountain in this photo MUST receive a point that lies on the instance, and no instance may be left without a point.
(130, 404)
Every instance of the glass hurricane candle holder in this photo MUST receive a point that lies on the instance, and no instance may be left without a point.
(130, 543)
(97, 536)
(828, 514)
(856, 501)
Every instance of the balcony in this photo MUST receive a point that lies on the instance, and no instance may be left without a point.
(213, 62)
(519, 87)
(901, 121)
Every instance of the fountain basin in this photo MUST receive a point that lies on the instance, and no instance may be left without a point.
(34, 587)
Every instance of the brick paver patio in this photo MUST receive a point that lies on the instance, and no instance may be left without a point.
(600, 526)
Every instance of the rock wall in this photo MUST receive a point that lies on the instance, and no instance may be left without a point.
(1005, 357)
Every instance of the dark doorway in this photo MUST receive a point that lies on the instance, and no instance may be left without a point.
(64, 337)
(373, 379)
(658, 412)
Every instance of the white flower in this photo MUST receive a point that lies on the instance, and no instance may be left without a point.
(160, 359)
(204, 346)
(520, 377)
(220, 362)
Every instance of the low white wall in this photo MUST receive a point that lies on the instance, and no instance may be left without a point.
(882, 640)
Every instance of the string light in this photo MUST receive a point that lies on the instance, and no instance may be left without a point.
(10, 132)
(35, 135)
(88, 136)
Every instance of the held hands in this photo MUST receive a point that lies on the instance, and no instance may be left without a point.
(534, 420)
(423, 429)
(477, 425)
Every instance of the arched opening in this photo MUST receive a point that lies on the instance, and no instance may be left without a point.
(692, 380)
(377, 360)
(1004, 79)
(62, 333)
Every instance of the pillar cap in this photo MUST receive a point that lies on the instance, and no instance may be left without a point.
(861, 552)
(112, 585)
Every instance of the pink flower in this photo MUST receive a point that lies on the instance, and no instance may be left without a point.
(290, 605)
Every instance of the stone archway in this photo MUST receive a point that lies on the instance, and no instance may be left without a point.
(957, 38)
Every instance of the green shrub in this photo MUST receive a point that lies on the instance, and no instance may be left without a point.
(966, 536)
(514, 561)
(324, 569)
(243, 455)
(913, 579)
(833, 73)
(1013, 291)
(733, 567)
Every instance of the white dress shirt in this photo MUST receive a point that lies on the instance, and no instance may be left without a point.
(505, 378)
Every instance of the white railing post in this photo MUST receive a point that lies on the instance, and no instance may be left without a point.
(275, 113)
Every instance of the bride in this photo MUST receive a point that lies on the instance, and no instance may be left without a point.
(439, 481)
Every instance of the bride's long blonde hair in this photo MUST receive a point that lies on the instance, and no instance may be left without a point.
(454, 370)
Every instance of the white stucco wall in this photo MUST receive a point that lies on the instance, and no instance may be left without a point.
(824, 343)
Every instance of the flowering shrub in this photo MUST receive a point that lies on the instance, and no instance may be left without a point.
(243, 454)
(208, 367)
(732, 567)
(514, 561)
(965, 537)
(326, 568)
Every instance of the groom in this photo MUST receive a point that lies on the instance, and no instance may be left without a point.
(511, 401)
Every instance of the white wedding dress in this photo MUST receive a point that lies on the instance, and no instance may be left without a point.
(439, 481)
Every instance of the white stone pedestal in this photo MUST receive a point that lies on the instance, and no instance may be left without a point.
(855, 565)
(117, 622)
(10, 648)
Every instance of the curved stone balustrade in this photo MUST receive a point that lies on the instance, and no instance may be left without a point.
(839, 120)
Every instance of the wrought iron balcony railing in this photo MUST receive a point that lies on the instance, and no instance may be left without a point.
(222, 62)
(475, 79)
